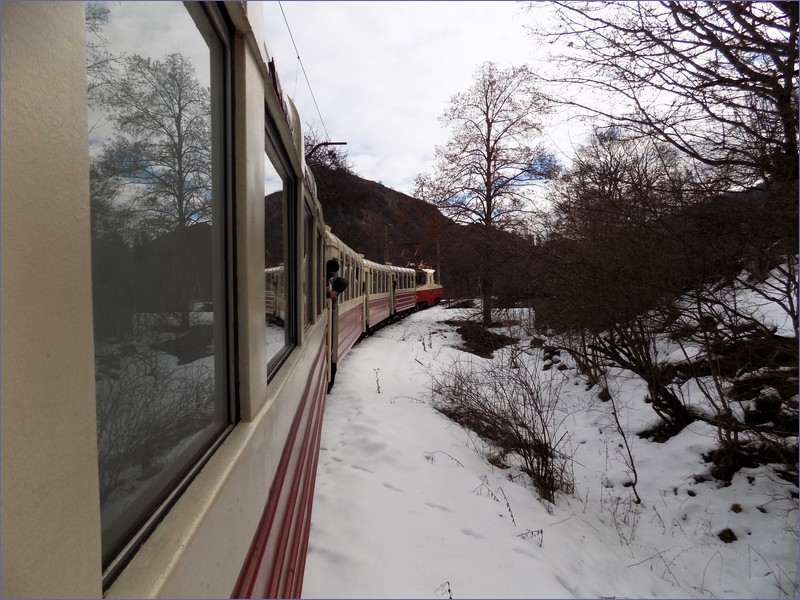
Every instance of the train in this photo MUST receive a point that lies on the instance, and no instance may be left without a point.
(170, 329)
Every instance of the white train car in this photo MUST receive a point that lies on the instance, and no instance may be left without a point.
(167, 337)
(154, 442)
(347, 313)
(390, 292)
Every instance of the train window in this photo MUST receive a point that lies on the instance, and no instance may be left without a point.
(308, 265)
(349, 277)
(320, 274)
(278, 303)
(346, 275)
(160, 218)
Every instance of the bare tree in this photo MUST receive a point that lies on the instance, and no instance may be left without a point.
(717, 80)
(101, 65)
(610, 256)
(162, 142)
(324, 153)
(617, 179)
(484, 172)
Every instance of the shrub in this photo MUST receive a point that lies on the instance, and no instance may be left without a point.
(515, 407)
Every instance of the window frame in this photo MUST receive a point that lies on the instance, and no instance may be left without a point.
(274, 151)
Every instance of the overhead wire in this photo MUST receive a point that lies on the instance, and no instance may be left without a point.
(305, 75)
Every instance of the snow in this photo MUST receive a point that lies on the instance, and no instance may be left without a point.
(407, 504)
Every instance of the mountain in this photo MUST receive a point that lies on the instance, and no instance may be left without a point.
(366, 215)
(388, 226)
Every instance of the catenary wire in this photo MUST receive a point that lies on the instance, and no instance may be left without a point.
(302, 66)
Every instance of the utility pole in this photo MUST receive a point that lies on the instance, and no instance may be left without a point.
(386, 244)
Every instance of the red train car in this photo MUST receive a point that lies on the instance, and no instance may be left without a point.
(428, 292)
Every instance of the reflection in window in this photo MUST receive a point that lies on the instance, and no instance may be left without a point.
(320, 279)
(308, 264)
(156, 116)
(277, 279)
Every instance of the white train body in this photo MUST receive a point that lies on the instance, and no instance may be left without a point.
(167, 340)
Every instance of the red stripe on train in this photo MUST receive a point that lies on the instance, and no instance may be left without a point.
(350, 328)
(276, 559)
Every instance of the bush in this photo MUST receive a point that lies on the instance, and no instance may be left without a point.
(515, 407)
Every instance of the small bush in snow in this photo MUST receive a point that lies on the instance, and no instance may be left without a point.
(515, 407)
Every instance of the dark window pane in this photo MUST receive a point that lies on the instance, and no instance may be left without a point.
(308, 265)
(275, 248)
(320, 279)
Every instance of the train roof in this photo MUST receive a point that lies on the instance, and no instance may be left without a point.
(387, 267)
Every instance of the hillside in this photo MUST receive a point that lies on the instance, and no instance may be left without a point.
(366, 214)
(388, 226)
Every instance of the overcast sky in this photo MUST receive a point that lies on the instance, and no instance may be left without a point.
(383, 72)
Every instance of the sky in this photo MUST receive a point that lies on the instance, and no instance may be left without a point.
(383, 72)
(407, 504)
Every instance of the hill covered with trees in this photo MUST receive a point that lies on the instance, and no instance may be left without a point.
(388, 226)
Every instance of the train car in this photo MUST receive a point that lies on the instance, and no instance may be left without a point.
(161, 414)
(157, 441)
(379, 292)
(403, 291)
(428, 292)
(391, 292)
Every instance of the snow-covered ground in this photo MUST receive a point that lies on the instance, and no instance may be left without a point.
(407, 504)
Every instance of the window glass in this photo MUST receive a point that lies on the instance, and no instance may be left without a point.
(320, 276)
(276, 248)
(344, 267)
(157, 116)
(349, 277)
(308, 260)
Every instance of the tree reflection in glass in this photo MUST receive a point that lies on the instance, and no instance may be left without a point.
(156, 252)
(274, 260)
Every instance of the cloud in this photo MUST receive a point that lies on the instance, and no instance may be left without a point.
(383, 72)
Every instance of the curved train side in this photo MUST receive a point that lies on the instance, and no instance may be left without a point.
(161, 413)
